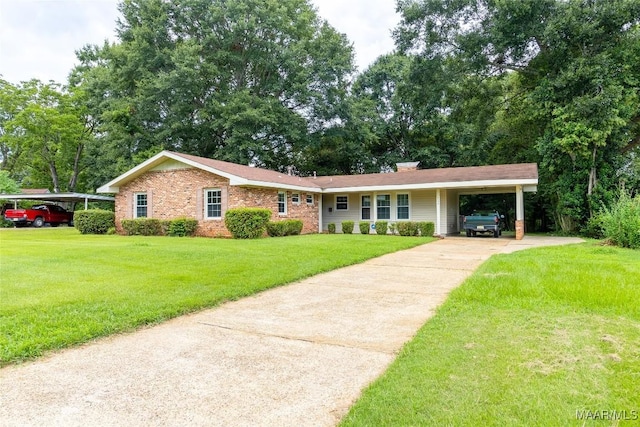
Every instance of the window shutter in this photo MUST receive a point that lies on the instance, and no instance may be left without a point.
(149, 204)
(129, 203)
(223, 196)
(200, 204)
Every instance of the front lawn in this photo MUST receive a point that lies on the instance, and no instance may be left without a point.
(543, 337)
(59, 288)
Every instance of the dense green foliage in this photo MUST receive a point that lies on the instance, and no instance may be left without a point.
(331, 228)
(407, 228)
(381, 227)
(364, 227)
(247, 223)
(621, 223)
(117, 283)
(347, 227)
(510, 346)
(182, 227)
(94, 221)
(287, 227)
(427, 228)
(144, 227)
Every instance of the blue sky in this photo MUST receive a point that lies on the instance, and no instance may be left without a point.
(38, 38)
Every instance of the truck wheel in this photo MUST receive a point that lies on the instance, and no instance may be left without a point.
(496, 234)
(38, 222)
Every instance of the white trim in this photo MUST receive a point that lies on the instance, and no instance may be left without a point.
(313, 199)
(408, 194)
(390, 207)
(205, 199)
(529, 183)
(285, 203)
(438, 212)
(370, 207)
(135, 204)
(294, 202)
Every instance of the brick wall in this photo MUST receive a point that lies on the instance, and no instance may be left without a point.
(179, 193)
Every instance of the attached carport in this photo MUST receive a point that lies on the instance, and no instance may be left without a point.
(58, 197)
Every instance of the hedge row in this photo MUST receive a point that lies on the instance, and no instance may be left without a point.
(94, 221)
(247, 223)
(289, 227)
(179, 227)
(403, 228)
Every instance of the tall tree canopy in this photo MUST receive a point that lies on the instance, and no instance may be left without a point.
(240, 80)
(571, 84)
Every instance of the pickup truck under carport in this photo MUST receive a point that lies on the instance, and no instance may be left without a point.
(482, 222)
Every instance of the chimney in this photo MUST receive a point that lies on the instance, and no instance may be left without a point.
(407, 166)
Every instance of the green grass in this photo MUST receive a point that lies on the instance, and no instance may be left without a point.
(528, 340)
(59, 288)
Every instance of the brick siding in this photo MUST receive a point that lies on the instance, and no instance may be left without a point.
(180, 193)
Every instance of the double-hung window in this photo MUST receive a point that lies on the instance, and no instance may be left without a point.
(141, 205)
(310, 199)
(295, 198)
(214, 203)
(402, 206)
(282, 203)
(342, 203)
(366, 207)
(383, 203)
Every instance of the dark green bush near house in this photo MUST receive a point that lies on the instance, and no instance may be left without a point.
(621, 223)
(182, 227)
(289, 227)
(247, 223)
(407, 228)
(364, 227)
(94, 221)
(347, 227)
(144, 227)
(381, 227)
(332, 228)
(427, 228)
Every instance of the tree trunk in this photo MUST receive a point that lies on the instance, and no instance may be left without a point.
(73, 181)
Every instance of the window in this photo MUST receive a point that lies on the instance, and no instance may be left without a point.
(403, 206)
(366, 207)
(342, 203)
(310, 199)
(384, 206)
(282, 203)
(141, 205)
(295, 198)
(214, 203)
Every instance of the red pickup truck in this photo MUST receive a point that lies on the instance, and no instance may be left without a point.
(38, 215)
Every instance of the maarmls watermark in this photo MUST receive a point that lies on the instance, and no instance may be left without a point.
(607, 414)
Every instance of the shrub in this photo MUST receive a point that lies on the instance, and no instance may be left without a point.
(364, 227)
(143, 227)
(181, 227)
(247, 223)
(407, 228)
(381, 228)
(111, 231)
(94, 221)
(331, 227)
(392, 228)
(593, 229)
(621, 223)
(427, 228)
(347, 227)
(289, 227)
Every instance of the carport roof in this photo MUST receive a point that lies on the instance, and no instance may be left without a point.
(58, 197)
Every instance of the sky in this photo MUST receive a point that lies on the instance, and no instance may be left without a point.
(38, 38)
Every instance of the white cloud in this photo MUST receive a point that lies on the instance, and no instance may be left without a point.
(38, 38)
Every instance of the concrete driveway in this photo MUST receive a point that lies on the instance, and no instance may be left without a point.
(297, 355)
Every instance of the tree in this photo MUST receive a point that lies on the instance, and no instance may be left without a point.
(246, 81)
(45, 130)
(573, 83)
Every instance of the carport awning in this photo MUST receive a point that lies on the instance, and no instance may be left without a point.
(59, 197)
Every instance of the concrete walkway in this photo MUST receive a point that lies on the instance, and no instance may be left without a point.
(298, 355)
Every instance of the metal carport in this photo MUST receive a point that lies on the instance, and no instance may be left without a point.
(58, 197)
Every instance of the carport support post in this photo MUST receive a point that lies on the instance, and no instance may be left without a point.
(438, 219)
(519, 212)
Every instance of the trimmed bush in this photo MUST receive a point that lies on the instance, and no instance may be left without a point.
(427, 228)
(407, 228)
(289, 227)
(381, 227)
(332, 228)
(621, 223)
(392, 228)
(364, 227)
(347, 227)
(94, 221)
(143, 227)
(247, 223)
(181, 227)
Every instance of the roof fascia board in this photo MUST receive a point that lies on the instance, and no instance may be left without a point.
(436, 185)
(264, 184)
